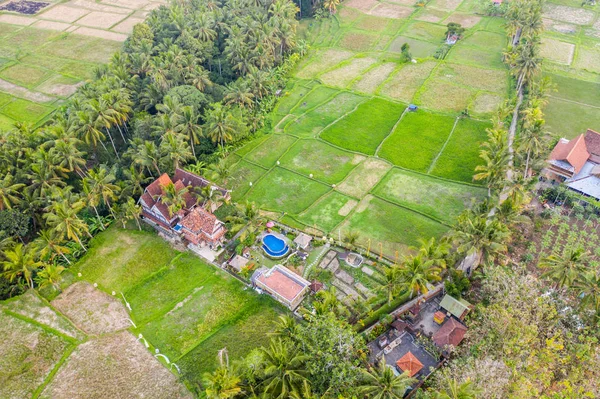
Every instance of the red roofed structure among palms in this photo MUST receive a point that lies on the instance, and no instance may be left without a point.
(192, 223)
(409, 364)
(451, 333)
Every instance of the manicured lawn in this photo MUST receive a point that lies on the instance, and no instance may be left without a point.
(394, 227)
(364, 129)
(310, 124)
(440, 199)
(285, 191)
(328, 212)
(267, 153)
(324, 161)
(319, 95)
(417, 140)
(461, 154)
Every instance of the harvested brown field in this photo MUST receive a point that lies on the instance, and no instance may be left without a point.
(344, 75)
(348, 14)
(113, 366)
(444, 96)
(364, 177)
(374, 77)
(446, 4)
(588, 59)
(322, 61)
(552, 25)
(92, 310)
(404, 84)
(356, 41)
(486, 103)
(495, 80)
(432, 15)
(371, 23)
(391, 11)
(577, 16)
(363, 5)
(557, 51)
(466, 20)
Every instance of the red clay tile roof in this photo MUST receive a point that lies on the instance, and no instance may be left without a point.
(200, 220)
(280, 283)
(451, 333)
(592, 142)
(190, 179)
(410, 364)
(148, 200)
(155, 188)
(164, 210)
(574, 152)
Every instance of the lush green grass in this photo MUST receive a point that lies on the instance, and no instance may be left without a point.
(25, 75)
(417, 140)
(461, 154)
(271, 150)
(392, 226)
(319, 95)
(425, 31)
(310, 124)
(292, 97)
(323, 161)
(485, 40)
(285, 191)
(242, 174)
(476, 56)
(576, 90)
(495, 80)
(25, 111)
(364, 129)
(440, 199)
(568, 119)
(328, 212)
(418, 48)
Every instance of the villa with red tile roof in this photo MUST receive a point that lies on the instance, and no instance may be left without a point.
(283, 284)
(192, 223)
(576, 163)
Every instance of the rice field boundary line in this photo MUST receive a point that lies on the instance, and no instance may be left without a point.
(390, 133)
(575, 102)
(443, 147)
(318, 134)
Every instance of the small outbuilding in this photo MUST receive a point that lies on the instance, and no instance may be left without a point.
(451, 333)
(303, 241)
(283, 284)
(456, 308)
(237, 263)
(409, 364)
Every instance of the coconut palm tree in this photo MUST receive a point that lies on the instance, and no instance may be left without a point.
(20, 262)
(494, 153)
(476, 235)
(132, 211)
(63, 219)
(175, 148)
(283, 368)
(351, 237)
(9, 192)
(101, 181)
(286, 327)
(435, 251)
(220, 127)
(331, 5)
(187, 124)
(382, 383)
(416, 273)
(49, 244)
(173, 198)
(146, 154)
(135, 180)
(391, 285)
(223, 383)
(589, 291)
(50, 276)
(564, 269)
(453, 390)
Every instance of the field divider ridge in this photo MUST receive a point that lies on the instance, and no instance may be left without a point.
(318, 135)
(412, 210)
(44, 327)
(443, 147)
(48, 379)
(391, 132)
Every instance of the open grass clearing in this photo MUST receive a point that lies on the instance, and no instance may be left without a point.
(251, 145)
(403, 84)
(362, 5)
(271, 150)
(319, 95)
(475, 56)
(364, 129)
(292, 97)
(242, 174)
(364, 177)
(25, 111)
(443, 96)
(569, 119)
(557, 51)
(418, 48)
(431, 15)
(417, 140)
(371, 80)
(345, 74)
(392, 226)
(313, 122)
(440, 199)
(348, 15)
(483, 79)
(466, 20)
(485, 103)
(328, 212)
(25, 75)
(358, 41)
(372, 24)
(446, 4)
(29, 353)
(576, 90)
(391, 11)
(588, 59)
(489, 41)
(30, 305)
(59, 85)
(114, 366)
(461, 154)
(322, 160)
(284, 191)
(425, 31)
(323, 60)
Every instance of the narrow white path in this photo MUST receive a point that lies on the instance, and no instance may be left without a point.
(391, 131)
(443, 147)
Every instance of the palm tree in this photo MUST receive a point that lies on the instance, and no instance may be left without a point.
(453, 390)
(187, 124)
(286, 327)
(146, 154)
(87, 130)
(283, 368)
(495, 156)
(246, 215)
(9, 192)
(223, 383)
(565, 268)
(220, 127)
(135, 180)
(477, 236)
(174, 147)
(132, 211)
(328, 302)
(391, 285)
(382, 383)
(589, 291)
(49, 245)
(63, 219)
(351, 237)
(20, 262)
(435, 251)
(101, 182)
(50, 276)
(173, 198)
(415, 274)
(219, 171)
(331, 5)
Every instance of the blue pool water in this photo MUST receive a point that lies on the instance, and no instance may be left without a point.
(274, 246)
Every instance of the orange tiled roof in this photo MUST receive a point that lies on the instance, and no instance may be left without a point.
(200, 220)
(281, 284)
(155, 188)
(573, 151)
(451, 333)
(409, 364)
(592, 142)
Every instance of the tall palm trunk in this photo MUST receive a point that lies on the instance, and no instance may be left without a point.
(80, 243)
(120, 131)
(157, 169)
(64, 257)
(112, 142)
(192, 145)
(98, 216)
(513, 130)
(527, 164)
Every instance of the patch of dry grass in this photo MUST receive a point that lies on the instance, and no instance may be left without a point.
(557, 51)
(588, 59)
(486, 103)
(483, 79)
(323, 60)
(404, 84)
(342, 76)
(357, 41)
(364, 177)
(373, 78)
(443, 96)
(577, 16)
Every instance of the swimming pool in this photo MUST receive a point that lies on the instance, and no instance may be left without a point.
(274, 246)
